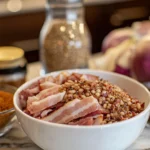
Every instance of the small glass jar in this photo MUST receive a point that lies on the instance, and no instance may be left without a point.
(65, 42)
(12, 66)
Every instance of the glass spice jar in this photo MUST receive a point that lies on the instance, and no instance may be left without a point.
(65, 41)
(12, 66)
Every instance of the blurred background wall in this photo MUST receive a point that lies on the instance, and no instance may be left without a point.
(21, 21)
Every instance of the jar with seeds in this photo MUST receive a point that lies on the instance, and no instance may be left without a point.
(64, 39)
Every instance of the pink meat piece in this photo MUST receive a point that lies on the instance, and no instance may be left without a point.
(59, 79)
(43, 94)
(58, 105)
(47, 79)
(26, 111)
(84, 121)
(73, 77)
(98, 112)
(98, 120)
(89, 77)
(73, 110)
(45, 112)
(47, 102)
(77, 76)
(23, 100)
(30, 91)
(94, 114)
(36, 114)
(34, 90)
(47, 85)
(42, 113)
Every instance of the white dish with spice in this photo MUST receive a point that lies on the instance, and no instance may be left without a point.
(116, 136)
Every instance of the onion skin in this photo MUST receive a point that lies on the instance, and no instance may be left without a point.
(141, 65)
(114, 43)
(123, 62)
(141, 59)
(116, 37)
(113, 55)
(122, 70)
(141, 29)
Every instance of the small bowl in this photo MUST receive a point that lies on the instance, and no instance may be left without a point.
(6, 115)
(116, 136)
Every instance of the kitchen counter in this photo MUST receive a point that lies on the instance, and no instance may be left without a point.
(16, 139)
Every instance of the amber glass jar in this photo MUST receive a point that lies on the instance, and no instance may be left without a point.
(12, 66)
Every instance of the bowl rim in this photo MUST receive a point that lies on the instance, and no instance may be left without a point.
(11, 110)
(88, 71)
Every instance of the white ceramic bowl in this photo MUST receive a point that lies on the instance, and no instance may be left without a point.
(117, 136)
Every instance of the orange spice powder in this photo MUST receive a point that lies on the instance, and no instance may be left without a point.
(6, 101)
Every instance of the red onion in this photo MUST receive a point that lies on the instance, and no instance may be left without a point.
(123, 63)
(111, 55)
(141, 60)
(116, 37)
(122, 70)
(141, 28)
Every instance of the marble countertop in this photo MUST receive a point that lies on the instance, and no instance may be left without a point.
(16, 139)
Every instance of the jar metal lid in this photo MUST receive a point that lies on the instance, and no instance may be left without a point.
(11, 57)
(10, 53)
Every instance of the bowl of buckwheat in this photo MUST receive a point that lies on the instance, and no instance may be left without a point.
(82, 109)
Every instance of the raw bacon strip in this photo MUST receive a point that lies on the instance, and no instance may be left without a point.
(47, 79)
(43, 94)
(74, 76)
(45, 112)
(58, 105)
(61, 77)
(77, 76)
(89, 77)
(98, 112)
(84, 121)
(31, 99)
(98, 120)
(47, 102)
(23, 99)
(42, 113)
(30, 91)
(26, 111)
(48, 92)
(36, 114)
(33, 91)
(73, 110)
(47, 85)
